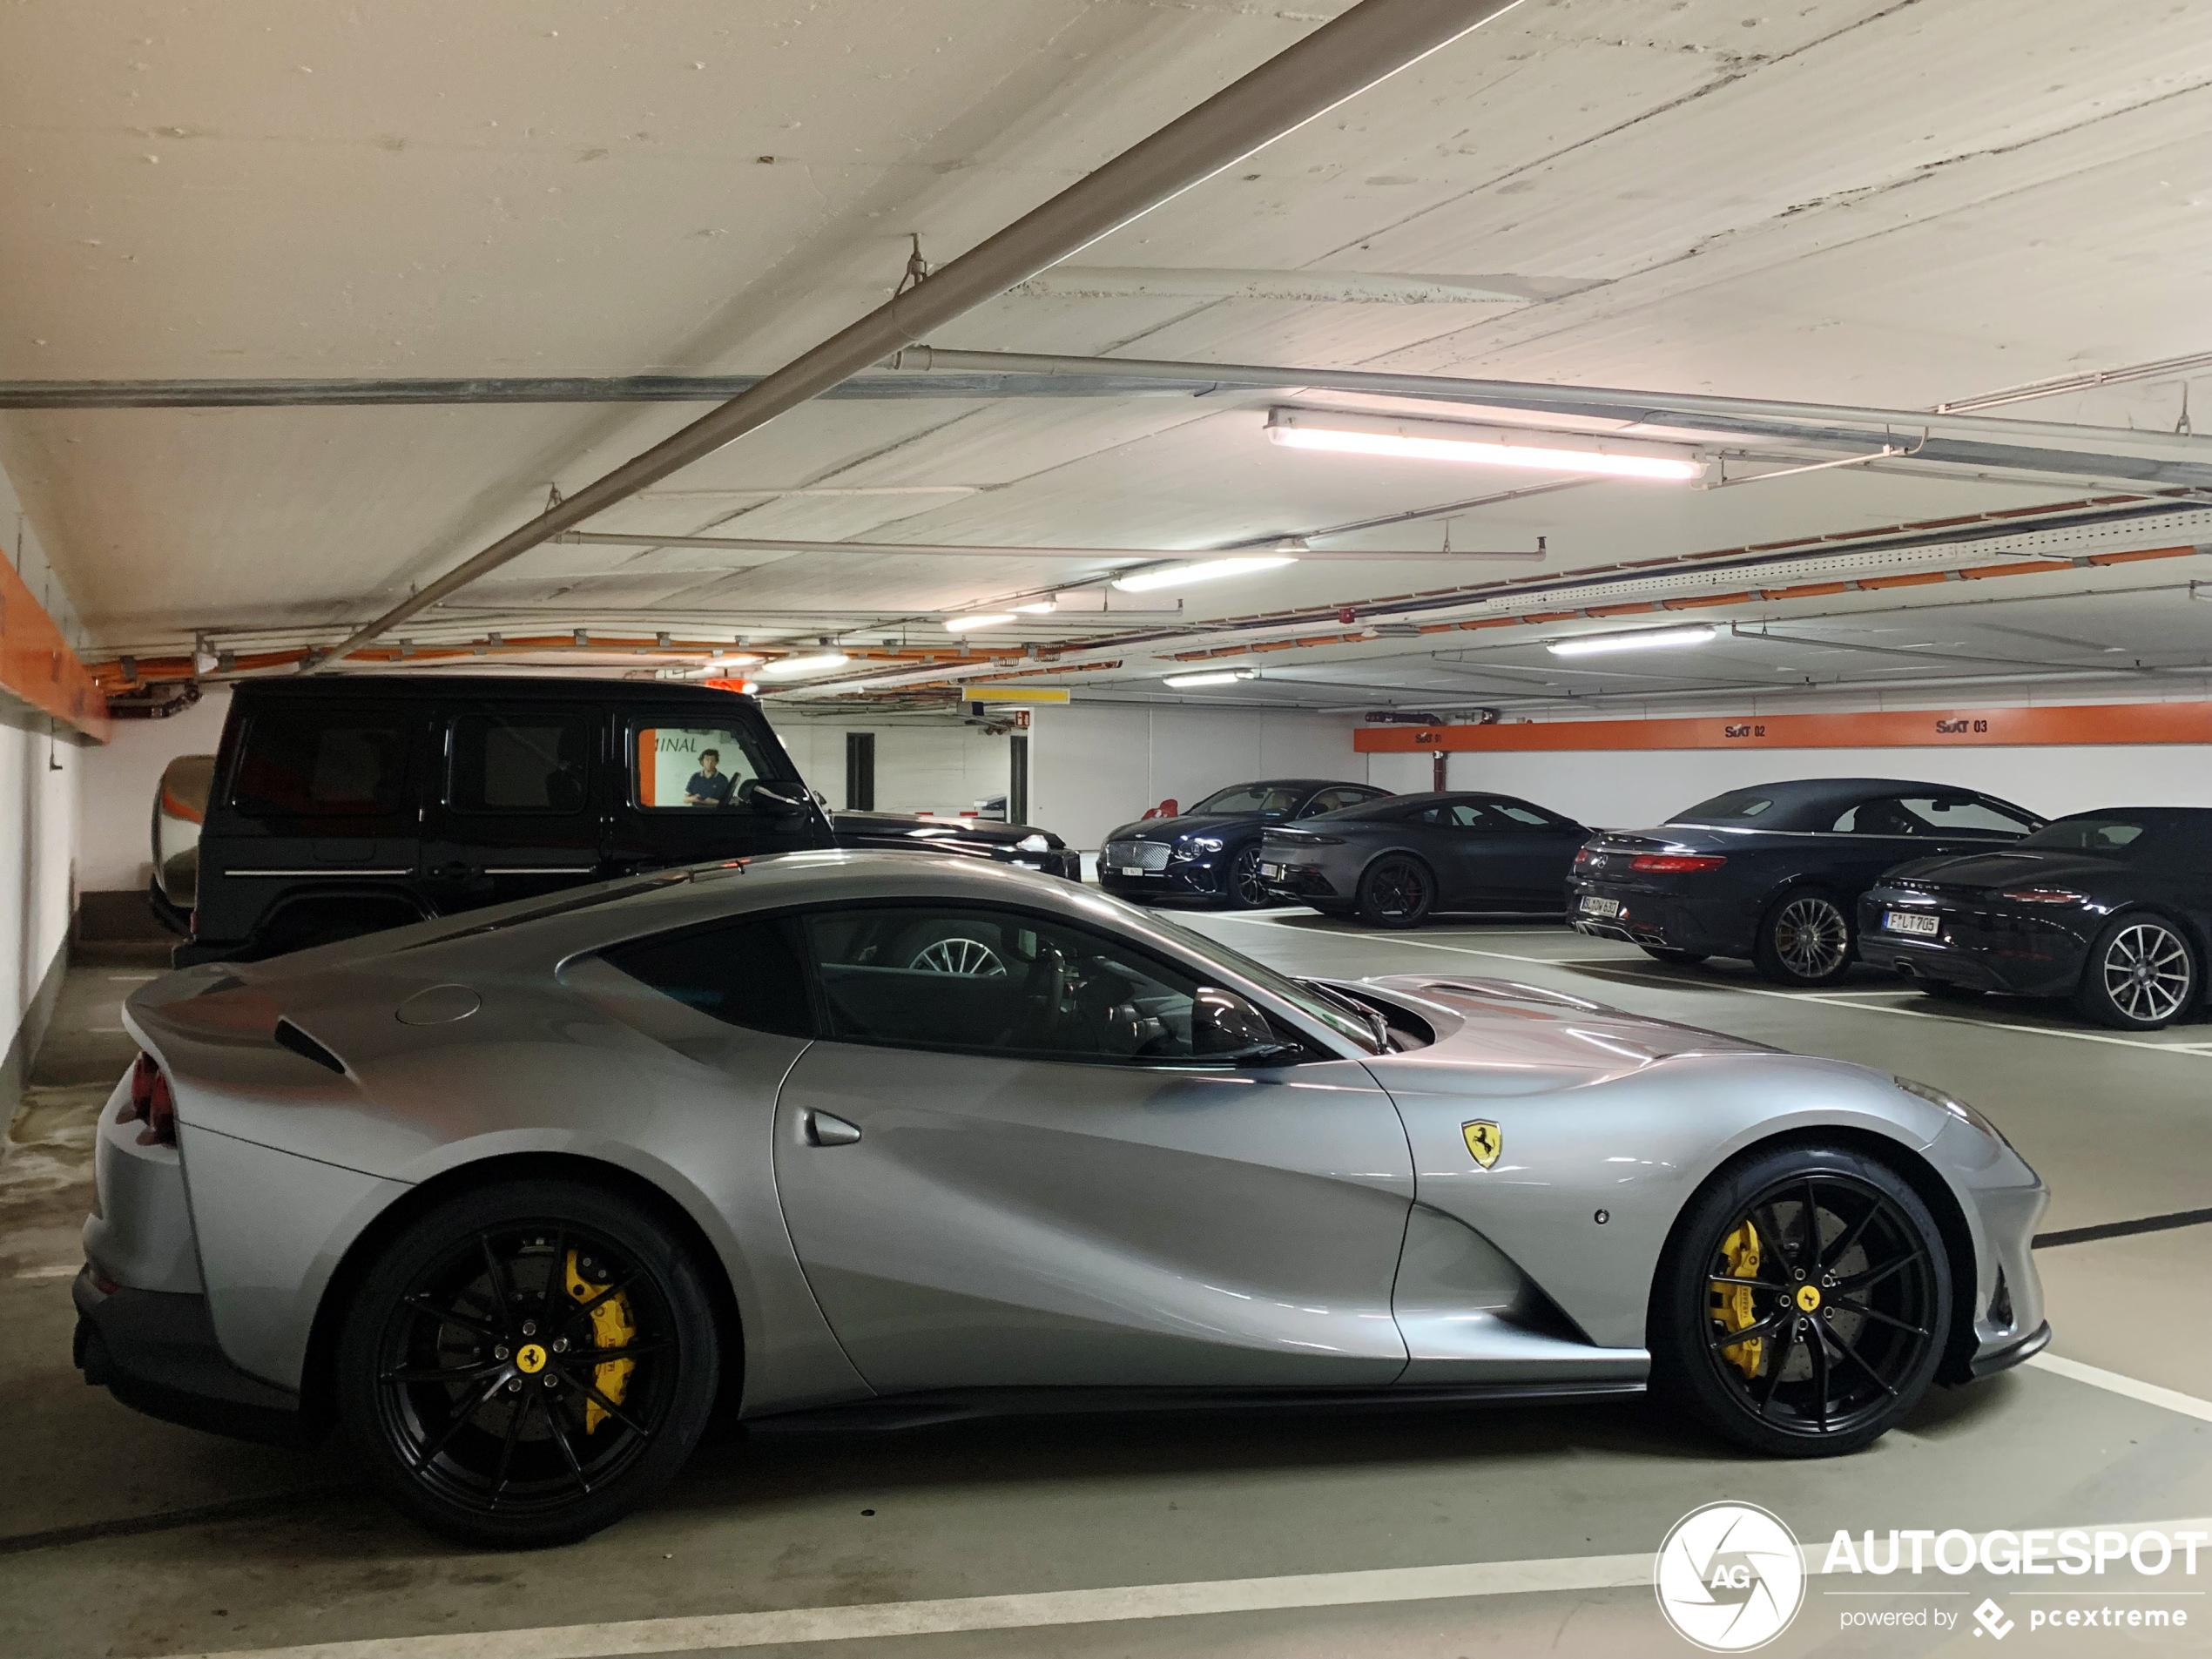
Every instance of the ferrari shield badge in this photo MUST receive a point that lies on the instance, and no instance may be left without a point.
(1483, 1141)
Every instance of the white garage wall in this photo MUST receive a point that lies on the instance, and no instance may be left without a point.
(1626, 789)
(1094, 765)
(918, 768)
(114, 849)
(40, 781)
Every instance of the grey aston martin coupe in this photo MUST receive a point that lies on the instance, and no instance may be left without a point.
(518, 1201)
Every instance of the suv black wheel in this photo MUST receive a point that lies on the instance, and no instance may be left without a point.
(1245, 887)
(2141, 974)
(1802, 1307)
(1396, 892)
(526, 1363)
(1805, 939)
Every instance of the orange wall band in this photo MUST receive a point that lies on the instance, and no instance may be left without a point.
(38, 666)
(1915, 728)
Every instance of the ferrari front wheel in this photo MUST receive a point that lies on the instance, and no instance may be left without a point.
(527, 1362)
(1802, 1307)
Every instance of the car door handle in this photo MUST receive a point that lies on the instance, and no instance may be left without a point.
(826, 1128)
(453, 871)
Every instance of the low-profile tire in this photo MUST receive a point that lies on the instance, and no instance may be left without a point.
(455, 1329)
(1396, 891)
(1829, 1344)
(1668, 953)
(2141, 974)
(1806, 939)
(1243, 887)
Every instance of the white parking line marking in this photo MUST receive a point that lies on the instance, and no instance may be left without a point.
(1040, 1609)
(66, 1271)
(2113, 1382)
(1832, 999)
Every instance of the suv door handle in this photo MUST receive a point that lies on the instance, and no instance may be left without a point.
(826, 1129)
(453, 870)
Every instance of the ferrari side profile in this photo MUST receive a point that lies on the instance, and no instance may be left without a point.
(517, 1202)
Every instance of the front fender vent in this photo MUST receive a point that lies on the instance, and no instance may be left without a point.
(290, 1036)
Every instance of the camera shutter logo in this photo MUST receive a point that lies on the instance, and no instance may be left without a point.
(1730, 1577)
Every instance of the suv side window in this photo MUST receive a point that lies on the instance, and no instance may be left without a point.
(338, 762)
(1000, 982)
(692, 768)
(744, 972)
(524, 762)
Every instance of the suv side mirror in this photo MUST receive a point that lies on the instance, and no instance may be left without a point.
(1224, 1026)
(766, 797)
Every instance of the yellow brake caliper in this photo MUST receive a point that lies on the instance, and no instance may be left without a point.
(611, 1327)
(1732, 1304)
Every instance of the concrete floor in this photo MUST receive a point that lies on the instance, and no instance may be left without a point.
(129, 1537)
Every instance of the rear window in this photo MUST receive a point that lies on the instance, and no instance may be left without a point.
(2095, 832)
(742, 973)
(323, 762)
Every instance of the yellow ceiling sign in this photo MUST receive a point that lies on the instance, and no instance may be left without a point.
(1011, 694)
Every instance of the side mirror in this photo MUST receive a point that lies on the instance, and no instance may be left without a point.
(1224, 1025)
(766, 797)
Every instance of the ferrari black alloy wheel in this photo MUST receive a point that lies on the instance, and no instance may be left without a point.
(2141, 974)
(1245, 887)
(1396, 893)
(1803, 1305)
(1806, 938)
(526, 1363)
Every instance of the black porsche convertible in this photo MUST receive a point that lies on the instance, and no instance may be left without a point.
(1775, 872)
(2111, 908)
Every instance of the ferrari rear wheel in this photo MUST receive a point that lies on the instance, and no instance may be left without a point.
(526, 1363)
(1396, 892)
(1802, 1307)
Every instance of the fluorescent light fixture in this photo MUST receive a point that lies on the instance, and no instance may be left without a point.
(981, 619)
(1482, 446)
(1647, 639)
(1211, 677)
(1036, 608)
(732, 658)
(1177, 576)
(813, 663)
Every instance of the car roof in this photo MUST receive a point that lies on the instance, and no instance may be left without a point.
(502, 688)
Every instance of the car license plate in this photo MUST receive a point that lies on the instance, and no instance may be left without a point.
(1271, 869)
(1909, 921)
(1593, 906)
(1132, 869)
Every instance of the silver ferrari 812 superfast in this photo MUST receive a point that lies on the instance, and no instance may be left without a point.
(518, 1201)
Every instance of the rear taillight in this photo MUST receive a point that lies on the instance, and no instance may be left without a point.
(2046, 895)
(1582, 855)
(151, 1104)
(1676, 863)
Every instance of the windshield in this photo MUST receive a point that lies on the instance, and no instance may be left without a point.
(1307, 999)
(2122, 836)
(1268, 801)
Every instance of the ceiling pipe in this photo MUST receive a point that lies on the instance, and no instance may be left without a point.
(1147, 555)
(2145, 457)
(1368, 43)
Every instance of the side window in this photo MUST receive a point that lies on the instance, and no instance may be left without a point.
(1519, 813)
(692, 768)
(523, 763)
(1966, 815)
(1464, 814)
(323, 762)
(995, 981)
(744, 972)
(1330, 800)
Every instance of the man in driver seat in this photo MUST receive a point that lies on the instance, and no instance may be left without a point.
(710, 786)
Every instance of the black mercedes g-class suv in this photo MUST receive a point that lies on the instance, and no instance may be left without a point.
(340, 805)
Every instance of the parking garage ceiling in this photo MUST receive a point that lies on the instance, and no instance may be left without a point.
(1848, 202)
